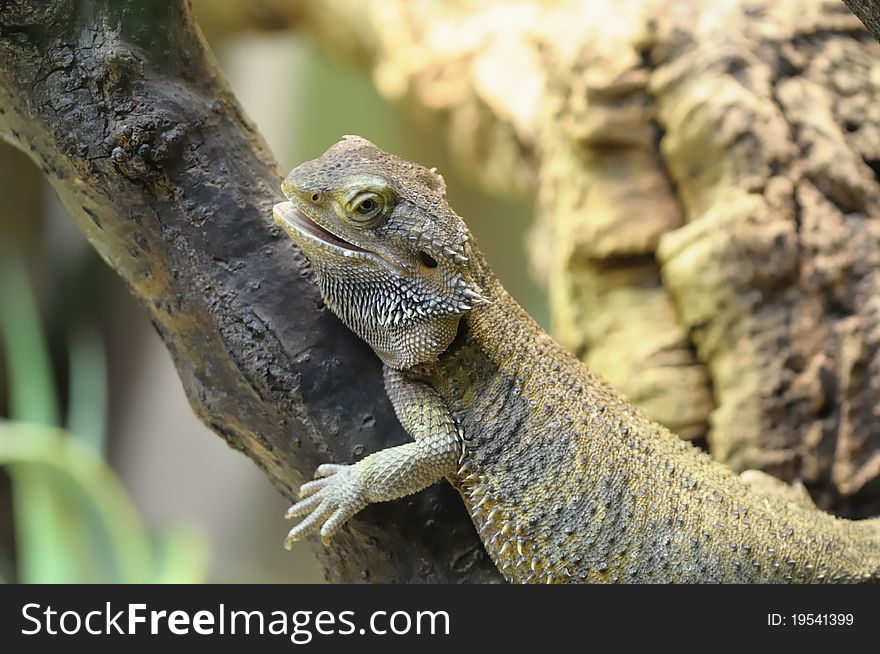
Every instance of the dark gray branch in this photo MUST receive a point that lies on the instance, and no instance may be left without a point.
(122, 107)
(867, 11)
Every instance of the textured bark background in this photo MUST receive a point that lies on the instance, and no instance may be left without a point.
(123, 109)
(706, 175)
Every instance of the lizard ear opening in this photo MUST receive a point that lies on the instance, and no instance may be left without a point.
(427, 260)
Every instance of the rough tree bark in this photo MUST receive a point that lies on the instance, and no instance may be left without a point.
(706, 175)
(868, 12)
(122, 107)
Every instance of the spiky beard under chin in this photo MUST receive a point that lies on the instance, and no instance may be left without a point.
(405, 325)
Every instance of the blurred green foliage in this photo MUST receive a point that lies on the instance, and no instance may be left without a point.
(74, 522)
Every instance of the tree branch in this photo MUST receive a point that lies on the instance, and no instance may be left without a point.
(868, 11)
(122, 107)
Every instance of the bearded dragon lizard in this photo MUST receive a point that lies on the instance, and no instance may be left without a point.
(565, 479)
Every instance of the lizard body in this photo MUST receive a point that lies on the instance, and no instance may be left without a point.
(565, 479)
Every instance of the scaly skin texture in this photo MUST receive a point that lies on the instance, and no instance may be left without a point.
(565, 479)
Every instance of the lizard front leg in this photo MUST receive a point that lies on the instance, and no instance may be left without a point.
(340, 491)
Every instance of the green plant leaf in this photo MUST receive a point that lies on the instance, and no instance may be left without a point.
(39, 516)
(102, 537)
(32, 396)
(87, 404)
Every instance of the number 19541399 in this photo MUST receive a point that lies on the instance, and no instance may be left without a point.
(810, 619)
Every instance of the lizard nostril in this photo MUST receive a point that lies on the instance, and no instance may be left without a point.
(315, 197)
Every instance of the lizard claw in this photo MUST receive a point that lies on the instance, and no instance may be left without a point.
(327, 502)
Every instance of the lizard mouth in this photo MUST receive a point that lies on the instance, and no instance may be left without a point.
(297, 223)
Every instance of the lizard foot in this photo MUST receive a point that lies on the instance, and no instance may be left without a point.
(336, 494)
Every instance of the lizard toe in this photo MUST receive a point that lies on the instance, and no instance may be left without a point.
(327, 469)
(335, 521)
(310, 524)
(303, 506)
(311, 487)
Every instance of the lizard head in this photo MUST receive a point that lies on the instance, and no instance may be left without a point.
(391, 258)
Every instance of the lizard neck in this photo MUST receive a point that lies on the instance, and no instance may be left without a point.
(505, 331)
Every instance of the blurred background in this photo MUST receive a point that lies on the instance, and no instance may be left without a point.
(105, 473)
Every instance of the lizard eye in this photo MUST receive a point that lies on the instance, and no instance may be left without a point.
(367, 206)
